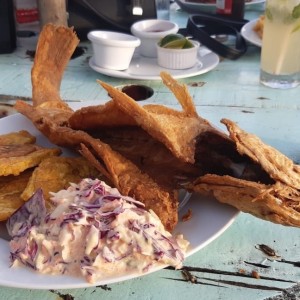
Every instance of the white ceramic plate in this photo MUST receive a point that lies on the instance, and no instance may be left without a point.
(206, 7)
(249, 34)
(145, 68)
(210, 219)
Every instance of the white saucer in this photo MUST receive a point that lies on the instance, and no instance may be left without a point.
(145, 68)
(249, 34)
(195, 7)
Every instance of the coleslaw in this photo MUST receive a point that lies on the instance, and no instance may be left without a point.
(93, 232)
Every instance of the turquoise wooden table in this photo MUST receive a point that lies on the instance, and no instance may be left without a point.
(229, 267)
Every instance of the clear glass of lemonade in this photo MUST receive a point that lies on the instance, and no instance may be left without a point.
(280, 56)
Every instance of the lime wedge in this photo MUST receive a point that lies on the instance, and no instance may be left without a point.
(296, 12)
(188, 44)
(170, 38)
(175, 41)
(177, 44)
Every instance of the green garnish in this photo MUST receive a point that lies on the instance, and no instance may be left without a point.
(175, 41)
(296, 12)
(269, 14)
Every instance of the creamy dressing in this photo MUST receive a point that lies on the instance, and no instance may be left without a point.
(96, 233)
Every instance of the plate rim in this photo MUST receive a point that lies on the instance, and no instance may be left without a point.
(74, 282)
(248, 27)
(177, 74)
(212, 5)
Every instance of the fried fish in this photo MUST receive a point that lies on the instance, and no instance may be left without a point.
(53, 122)
(177, 130)
(131, 181)
(238, 169)
(275, 199)
(100, 116)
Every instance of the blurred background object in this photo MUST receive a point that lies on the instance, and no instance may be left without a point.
(54, 12)
(26, 17)
(7, 25)
(116, 15)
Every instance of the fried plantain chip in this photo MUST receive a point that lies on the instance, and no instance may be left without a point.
(14, 159)
(17, 138)
(56, 173)
(10, 184)
(9, 204)
(11, 188)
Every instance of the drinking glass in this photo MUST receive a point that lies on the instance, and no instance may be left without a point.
(163, 9)
(280, 54)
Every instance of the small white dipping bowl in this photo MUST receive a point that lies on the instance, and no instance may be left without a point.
(113, 50)
(177, 58)
(150, 32)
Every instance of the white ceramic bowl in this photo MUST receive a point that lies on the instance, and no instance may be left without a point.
(113, 50)
(177, 58)
(150, 32)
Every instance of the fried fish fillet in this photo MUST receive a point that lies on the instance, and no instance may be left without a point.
(139, 147)
(52, 119)
(279, 167)
(277, 201)
(176, 130)
(96, 117)
(17, 138)
(272, 193)
(59, 43)
(56, 173)
(55, 46)
(121, 172)
(14, 159)
(130, 181)
(11, 188)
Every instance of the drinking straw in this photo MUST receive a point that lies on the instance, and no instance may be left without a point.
(282, 54)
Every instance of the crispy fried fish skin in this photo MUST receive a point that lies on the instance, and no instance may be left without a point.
(132, 182)
(51, 117)
(47, 121)
(275, 198)
(17, 138)
(277, 203)
(181, 93)
(56, 173)
(139, 147)
(58, 43)
(95, 117)
(11, 188)
(177, 130)
(109, 115)
(127, 177)
(14, 159)
(277, 165)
